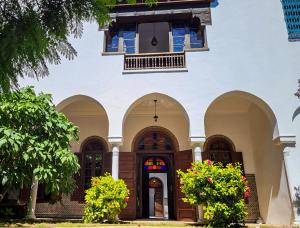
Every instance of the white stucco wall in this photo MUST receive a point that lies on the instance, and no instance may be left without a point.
(249, 52)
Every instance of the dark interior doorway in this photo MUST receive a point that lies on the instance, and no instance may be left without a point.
(155, 147)
(160, 198)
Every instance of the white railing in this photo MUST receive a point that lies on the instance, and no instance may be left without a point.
(154, 61)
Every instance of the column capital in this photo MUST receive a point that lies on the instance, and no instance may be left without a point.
(197, 141)
(115, 141)
(286, 142)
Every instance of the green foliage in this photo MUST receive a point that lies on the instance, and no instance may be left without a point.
(34, 33)
(105, 199)
(34, 140)
(221, 190)
(6, 213)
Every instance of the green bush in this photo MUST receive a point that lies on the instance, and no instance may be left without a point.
(221, 190)
(105, 199)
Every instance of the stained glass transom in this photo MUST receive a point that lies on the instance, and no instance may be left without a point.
(291, 10)
(155, 164)
(155, 183)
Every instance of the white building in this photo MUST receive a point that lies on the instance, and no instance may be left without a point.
(223, 74)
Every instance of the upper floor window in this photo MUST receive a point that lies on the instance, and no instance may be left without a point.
(291, 10)
(155, 37)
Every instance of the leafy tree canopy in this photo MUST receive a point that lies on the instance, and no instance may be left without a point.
(34, 33)
(34, 140)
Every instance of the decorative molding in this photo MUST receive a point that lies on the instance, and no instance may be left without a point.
(197, 141)
(204, 15)
(115, 141)
(286, 141)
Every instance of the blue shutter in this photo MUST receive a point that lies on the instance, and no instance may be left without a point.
(129, 35)
(112, 42)
(196, 38)
(291, 9)
(178, 32)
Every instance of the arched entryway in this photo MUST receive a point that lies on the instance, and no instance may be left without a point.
(155, 148)
(251, 125)
(165, 137)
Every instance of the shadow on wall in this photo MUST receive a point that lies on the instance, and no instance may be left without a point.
(296, 201)
(214, 3)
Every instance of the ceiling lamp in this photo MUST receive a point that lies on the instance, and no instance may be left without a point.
(155, 117)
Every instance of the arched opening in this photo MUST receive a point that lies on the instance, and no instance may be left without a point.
(171, 116)
(156, 198)
(251, 124)
(165, 137)
(86, 113)
(154, 148)
(93, 150)
(92, 121)
(219, 148)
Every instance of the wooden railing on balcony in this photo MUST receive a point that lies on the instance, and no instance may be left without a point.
(154, 61)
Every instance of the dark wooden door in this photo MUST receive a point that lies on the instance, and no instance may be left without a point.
(159, 202)
(184, 211)
(127, 167)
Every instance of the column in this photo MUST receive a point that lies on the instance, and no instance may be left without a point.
(116, 142)
(296, 219)
(288, 143)
(197, 144)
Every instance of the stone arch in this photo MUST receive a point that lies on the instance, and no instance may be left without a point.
(252, 125)
(140, 114)
(264, 107)
(88, 114)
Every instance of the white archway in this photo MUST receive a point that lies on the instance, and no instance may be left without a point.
(88, 114)
(252, 126)
(171, 113)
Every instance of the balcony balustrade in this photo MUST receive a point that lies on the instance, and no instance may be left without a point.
(155, 61)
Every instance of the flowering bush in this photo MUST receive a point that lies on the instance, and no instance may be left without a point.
(105, 199)
(221, 190)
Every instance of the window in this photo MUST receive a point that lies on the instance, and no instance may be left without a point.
(178, 33)
(196, 38)
(291, 10)
(219, 149)
(155, 183)
(129, 34)
(112, 41)
(154, 141)
(155, 164)
(92, 161)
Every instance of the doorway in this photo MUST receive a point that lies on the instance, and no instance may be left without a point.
(154, 149)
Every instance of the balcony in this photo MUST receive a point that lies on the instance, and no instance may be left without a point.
(154, 61)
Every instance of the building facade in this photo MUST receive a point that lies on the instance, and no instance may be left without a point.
(180, 81)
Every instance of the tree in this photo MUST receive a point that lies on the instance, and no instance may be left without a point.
(34, 145)
(222, 191)
(35, 32)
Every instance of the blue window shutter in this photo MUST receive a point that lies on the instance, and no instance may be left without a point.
(291, 9)
(129, 34)
(112, 42)
(178, 33)
(196, 38)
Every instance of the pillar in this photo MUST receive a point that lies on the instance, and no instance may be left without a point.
(115, 142)
(288, 143)
(197, 145)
